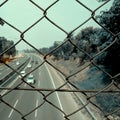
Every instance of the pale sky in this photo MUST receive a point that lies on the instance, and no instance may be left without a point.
(67, 14)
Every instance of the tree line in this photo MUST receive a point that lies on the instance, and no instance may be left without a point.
(5, 52)
(90, 41)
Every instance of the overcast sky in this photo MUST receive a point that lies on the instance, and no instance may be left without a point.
(67, 14)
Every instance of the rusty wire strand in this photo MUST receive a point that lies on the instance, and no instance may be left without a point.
(67, 79)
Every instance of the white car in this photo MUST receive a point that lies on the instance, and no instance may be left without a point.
(22, 74)
(17, 63)
(29, 65)
(30, 79)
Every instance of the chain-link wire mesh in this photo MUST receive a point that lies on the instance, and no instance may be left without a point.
(89, 96)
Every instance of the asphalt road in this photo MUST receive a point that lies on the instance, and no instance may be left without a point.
(26, 101)
(4, 70)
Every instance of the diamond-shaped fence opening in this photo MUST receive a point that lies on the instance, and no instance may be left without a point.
(59, 60)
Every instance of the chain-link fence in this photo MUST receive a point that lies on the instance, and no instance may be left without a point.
(98, 103)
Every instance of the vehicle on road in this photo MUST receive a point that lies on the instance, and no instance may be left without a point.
(29, 65)
(17, 63)
(22, 74)
(31, 79)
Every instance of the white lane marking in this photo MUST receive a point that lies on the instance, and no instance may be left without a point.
(4, 91)
(54, 87)
(36, 109)
(25, 85)
(13, 109)
(39, 80)
(39, 83)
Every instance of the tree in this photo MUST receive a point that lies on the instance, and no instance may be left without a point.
(12, 50)
(110, 19)
(5, 45)
(87, 40)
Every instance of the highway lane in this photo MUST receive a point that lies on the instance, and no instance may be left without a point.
(4, 70)
(26, 101)
(30, 100)
(13, 98)
(47, 111)
(65, 101)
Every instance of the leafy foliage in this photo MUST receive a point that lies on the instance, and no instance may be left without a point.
(92, 40)
(110, 19)
(5, 45)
